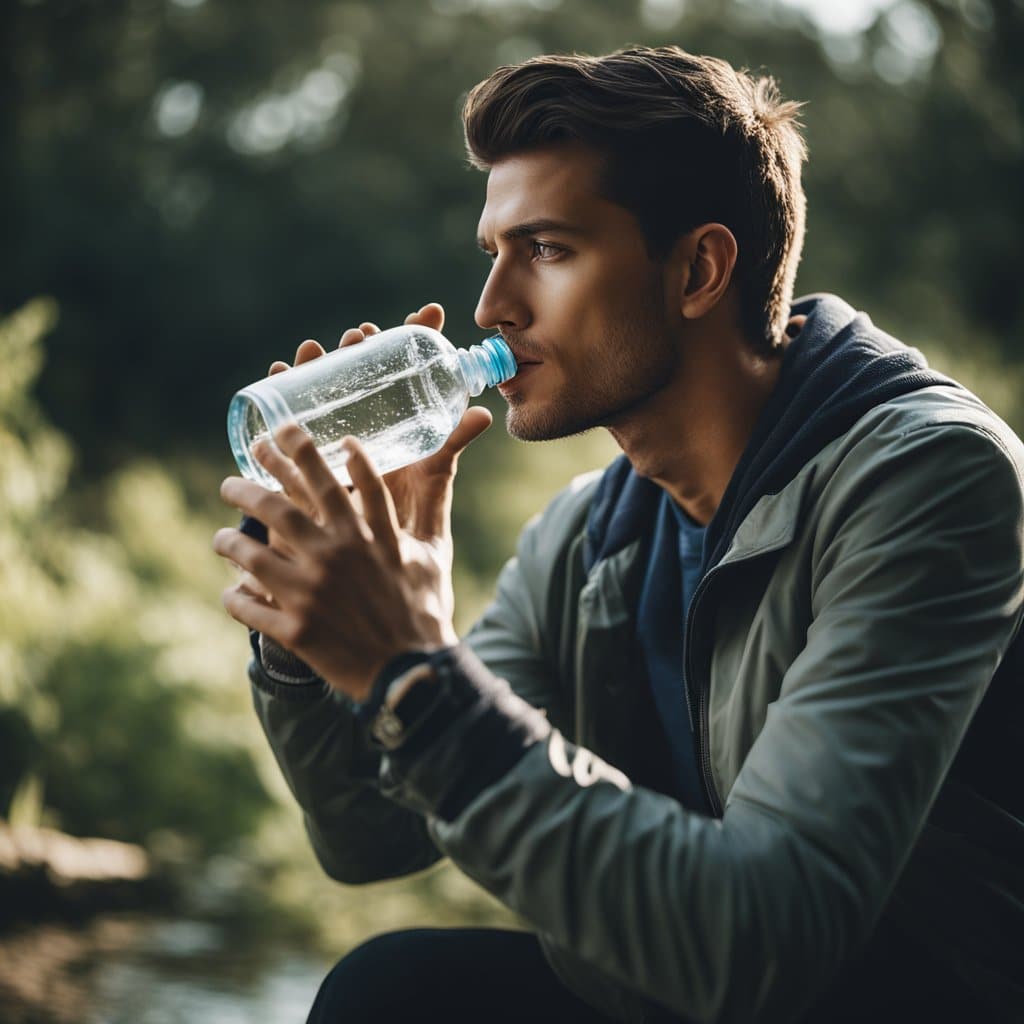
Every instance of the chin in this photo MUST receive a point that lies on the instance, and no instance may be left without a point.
(545, 427)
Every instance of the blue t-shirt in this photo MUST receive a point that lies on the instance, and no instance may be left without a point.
(674, 568)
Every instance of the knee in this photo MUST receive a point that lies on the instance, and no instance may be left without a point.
(360, 986)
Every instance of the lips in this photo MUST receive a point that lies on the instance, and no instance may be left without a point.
(523, 371)
(520, 356)
(522, 360)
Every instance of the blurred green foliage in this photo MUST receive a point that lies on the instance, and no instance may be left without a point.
(201, 185)
(120, 711)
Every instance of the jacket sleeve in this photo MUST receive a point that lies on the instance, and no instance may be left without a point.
(332, 770)
(329, 763)
(916, 595)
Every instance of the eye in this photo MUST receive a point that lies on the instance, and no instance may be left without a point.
(546, 251)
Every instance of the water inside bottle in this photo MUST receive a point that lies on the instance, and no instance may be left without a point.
(410, 398)
(397, 446)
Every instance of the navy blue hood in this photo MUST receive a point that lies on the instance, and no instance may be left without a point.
(838, 368)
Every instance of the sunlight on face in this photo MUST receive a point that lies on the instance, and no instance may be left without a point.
(574, 291)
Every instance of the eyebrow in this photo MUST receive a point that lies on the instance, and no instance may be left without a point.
(532, 227)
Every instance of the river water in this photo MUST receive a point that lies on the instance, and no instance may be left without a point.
(126, 970)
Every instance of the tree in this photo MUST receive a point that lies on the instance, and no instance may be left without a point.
(201, 190)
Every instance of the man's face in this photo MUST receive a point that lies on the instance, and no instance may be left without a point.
(572, 289)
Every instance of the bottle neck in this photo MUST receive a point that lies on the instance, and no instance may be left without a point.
(487, 364)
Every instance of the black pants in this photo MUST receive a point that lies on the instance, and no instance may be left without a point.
(453, 975)
(474, 975)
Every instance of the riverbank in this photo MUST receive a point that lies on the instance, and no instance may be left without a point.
(246, 936)
(46, 874)
(94, 930)
(135, 969)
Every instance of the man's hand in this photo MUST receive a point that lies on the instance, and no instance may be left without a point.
(349, 579)
(350, 590)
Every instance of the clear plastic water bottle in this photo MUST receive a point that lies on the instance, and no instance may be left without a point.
(400, 392)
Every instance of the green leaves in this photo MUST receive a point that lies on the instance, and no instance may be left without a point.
(124, 710)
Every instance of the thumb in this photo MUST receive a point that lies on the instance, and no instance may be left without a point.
(432, 515)
(430, 315)
(473, 423)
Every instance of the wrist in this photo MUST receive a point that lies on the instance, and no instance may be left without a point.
(407, 704)
(390, 709)
(280, 664)
(472, 730)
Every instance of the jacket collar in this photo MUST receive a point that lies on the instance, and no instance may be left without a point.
(838, 368)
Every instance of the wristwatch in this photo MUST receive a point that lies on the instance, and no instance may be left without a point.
(401, 711)
(398, 708)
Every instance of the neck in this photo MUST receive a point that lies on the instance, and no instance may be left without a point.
(689, 436)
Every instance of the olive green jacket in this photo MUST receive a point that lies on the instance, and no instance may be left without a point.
(843, 643)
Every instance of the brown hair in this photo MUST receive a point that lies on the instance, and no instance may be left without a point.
(687, 140)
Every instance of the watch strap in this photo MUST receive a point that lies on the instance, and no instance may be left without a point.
(397, 706)
(406, 707)
(473, 732)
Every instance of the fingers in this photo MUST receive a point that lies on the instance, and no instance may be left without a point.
(249, 584)
(378, 506)
(281, 516)
(264, 570)
(354, 335)
(254, 613)
(430, 315)
(308, 350)
(285, 471)
(330, 499)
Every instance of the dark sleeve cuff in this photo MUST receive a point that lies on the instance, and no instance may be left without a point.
(365, 710)
(285, 690)
(476, 731)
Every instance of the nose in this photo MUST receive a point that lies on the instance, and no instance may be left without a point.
(502, 304)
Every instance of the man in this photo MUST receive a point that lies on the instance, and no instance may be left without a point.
(739, 736)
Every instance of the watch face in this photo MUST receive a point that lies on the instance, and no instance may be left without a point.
(387, 728)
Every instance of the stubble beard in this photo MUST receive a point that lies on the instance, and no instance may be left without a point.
(634, 363)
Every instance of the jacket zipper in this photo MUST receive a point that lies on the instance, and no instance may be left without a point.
(702, 729)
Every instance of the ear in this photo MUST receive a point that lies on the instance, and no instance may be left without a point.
(707, 258)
